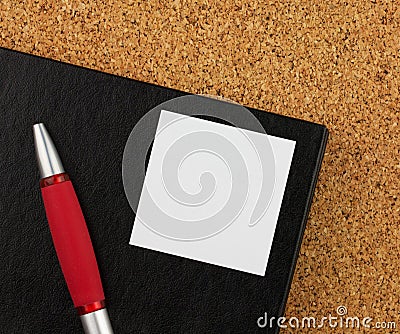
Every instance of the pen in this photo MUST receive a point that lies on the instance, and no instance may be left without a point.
(70, 236)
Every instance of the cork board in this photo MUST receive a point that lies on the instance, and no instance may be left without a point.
(335, 63)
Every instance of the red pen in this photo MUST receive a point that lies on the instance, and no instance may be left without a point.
(70, 236)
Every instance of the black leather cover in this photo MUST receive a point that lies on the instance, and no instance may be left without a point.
(90, 115)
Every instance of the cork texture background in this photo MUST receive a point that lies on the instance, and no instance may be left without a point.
(332, 62)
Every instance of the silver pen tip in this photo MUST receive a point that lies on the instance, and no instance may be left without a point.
(49, 161)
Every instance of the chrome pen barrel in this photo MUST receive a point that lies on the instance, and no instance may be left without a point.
(97, 322)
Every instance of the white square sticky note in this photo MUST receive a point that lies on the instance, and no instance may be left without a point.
(212, 193)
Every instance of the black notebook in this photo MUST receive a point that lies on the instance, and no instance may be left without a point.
(151, 285)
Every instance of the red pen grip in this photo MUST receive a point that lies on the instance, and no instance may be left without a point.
(72, 243)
